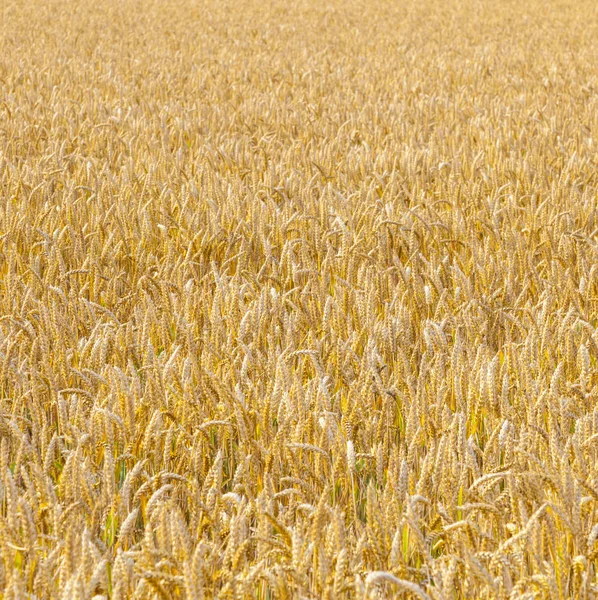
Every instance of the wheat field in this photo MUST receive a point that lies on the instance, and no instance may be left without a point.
(298, 300)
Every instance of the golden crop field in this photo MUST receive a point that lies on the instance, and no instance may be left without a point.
(298, 299)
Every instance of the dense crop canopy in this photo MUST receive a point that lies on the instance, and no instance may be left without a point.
(298, 299)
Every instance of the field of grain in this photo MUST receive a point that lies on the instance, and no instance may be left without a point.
(298, 300)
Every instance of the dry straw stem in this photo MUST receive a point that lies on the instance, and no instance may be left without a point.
(298, 300)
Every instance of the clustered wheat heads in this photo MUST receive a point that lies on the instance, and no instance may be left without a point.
(298, 300)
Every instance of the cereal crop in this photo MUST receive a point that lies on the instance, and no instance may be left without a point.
(298, 299)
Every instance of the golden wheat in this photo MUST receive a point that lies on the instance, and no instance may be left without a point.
(298, 300)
